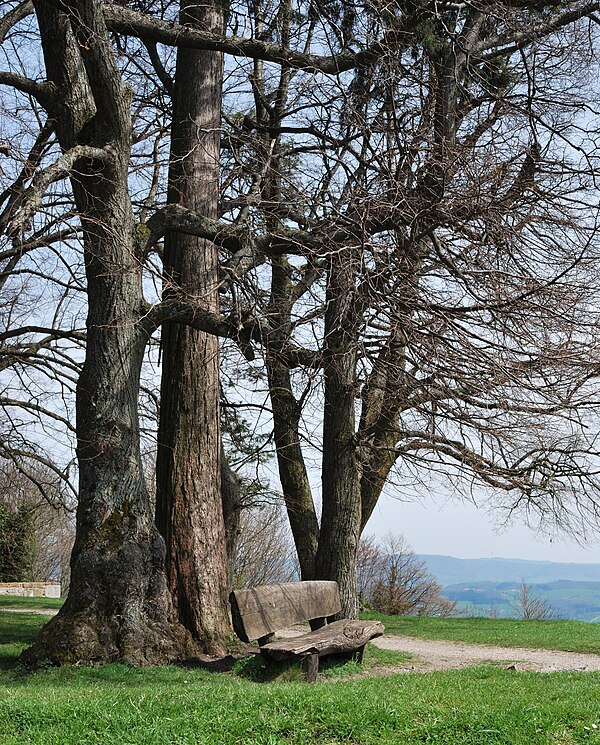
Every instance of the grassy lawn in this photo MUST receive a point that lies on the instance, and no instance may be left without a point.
(13, 601)
(175, 706)
(571, 636)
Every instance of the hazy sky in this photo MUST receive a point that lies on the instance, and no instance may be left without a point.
(457, 528)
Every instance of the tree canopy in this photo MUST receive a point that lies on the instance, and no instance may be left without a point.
(389, 218)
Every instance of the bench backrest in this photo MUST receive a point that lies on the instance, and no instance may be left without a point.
(258, 611)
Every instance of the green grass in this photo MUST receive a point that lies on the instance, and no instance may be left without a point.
(374, 661)
(13, 601)
(17, 630)
(174, 706)
(571, 636)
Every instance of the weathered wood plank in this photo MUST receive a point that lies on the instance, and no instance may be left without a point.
(337, 638)
(258, 611)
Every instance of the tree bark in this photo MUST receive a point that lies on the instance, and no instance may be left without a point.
(286, 417)
(231, 498)
(383, 399)
(340, 518)
(118, 608)
(189, 511)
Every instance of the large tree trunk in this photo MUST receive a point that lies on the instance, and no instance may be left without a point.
(118, 608)
(189, 512)
(340, 518)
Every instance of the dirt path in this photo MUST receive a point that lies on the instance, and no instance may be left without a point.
(429, 655)
(34, 611)
(442, 655)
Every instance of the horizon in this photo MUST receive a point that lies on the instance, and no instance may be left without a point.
(505, 558)
(449, 526)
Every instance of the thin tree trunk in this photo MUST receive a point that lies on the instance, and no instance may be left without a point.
(340, 518)
(383, 399)
(231, 498)
(286, 418)
(189, 511)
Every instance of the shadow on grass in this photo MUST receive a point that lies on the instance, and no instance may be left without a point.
(261, 670)
(217, 665)
(20, 628)
(17, 631)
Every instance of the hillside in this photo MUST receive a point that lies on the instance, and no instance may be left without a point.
(570, 600)
(449, 570)
(489, 587)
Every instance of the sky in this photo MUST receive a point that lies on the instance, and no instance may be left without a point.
(457, 528)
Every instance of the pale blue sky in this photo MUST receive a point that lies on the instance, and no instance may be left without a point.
(458, 528)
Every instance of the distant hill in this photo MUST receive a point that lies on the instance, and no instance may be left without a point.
(575, 600)
(450, 571)
(484, 587)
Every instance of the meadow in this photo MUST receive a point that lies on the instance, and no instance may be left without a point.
(565, 599)
(570, 636)
(253, 705)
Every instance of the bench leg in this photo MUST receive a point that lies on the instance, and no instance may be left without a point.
(310, 665)
(360, 653)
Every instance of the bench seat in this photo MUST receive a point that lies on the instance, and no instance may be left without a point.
(339, 637)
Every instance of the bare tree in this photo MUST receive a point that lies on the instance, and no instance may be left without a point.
(118, 605)
(432, 237)
(370, 564)
(41, 324)
(400, 584)
(264, 552)
(189, 510)
(529, 606)
(410, 177)
(117, 547)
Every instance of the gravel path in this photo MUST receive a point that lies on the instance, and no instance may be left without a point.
(34, 611)
(442, 655)
(430, 655)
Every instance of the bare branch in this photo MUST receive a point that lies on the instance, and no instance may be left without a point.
(59, 170)
(45, 93)
(13, 17)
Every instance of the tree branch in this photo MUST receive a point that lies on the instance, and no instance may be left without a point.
(44, 93)
(59, 170)
(535, 31)
(13, 17)
(130, 22)
(174, 217)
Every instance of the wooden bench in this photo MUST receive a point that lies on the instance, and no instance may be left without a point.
(258, 612)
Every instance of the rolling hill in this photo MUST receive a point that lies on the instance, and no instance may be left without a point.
(489, 587)
(450, 570)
